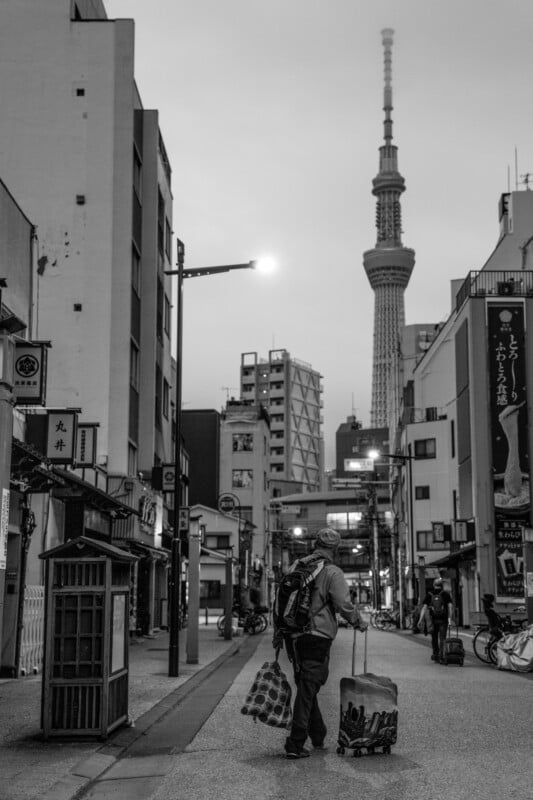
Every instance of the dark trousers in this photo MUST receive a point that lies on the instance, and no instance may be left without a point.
(438, 635)
(310, 659)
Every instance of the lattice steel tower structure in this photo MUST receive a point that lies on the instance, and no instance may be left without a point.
(389, 265)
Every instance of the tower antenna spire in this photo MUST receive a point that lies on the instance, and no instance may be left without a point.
(387, 38)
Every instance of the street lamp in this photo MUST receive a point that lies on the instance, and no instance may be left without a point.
(175, 565)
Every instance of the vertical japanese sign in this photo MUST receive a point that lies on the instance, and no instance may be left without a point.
(61, 436)
(510, 457)
(29, 384)
(86, 444)
(4, 527)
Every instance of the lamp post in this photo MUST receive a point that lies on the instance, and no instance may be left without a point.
(175, 565)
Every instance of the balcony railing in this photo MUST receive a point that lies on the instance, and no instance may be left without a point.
(496, 283)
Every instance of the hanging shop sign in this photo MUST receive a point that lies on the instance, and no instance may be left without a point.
(86, 444)
(61, 436)
(29, 383)
(510, 458)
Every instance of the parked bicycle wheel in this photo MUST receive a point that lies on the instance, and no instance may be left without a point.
(255, 623)
(221, 620)
(482, 643)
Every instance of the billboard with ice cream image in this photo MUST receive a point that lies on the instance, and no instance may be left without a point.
(510, 456)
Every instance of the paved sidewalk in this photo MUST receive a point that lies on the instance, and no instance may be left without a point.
(55, 770)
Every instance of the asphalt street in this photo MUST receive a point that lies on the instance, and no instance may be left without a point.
(464, 733)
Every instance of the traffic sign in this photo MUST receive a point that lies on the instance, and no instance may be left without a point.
(168, 477)
(227, 503)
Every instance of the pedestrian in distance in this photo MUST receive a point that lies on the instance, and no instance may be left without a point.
(309, 650)
(439, 607)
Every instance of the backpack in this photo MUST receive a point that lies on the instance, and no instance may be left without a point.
(438, 608)
(293, 596)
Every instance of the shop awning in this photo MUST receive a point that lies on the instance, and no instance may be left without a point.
(143, 549)
(73, 486)
(30, 470)
(467, 553)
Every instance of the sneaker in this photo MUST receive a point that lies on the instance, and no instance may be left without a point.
(303, 753)
(320, 746)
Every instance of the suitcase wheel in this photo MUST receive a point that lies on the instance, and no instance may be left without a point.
(340, 751)
(357, 753)
(386, 749)
(370, 750)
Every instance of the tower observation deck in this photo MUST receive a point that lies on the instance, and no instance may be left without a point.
(389, 265)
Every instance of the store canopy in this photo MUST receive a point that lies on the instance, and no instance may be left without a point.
(30, 470)
(467, 553)
(75, 487)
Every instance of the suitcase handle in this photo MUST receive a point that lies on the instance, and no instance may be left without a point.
(353, 651)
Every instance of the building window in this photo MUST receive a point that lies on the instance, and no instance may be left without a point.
(136, 271)
(166, 316)
(425, 541)
(343, 520)
(160, 223)
(134, 366)
(242, 478)
(160, 309)
(210, 593)
(217, 541)
(157, 398)
(243, 442)
(426, 448)
(168, 240)
(166, 398)
(421, 492)
(132, 460)
(137, 175)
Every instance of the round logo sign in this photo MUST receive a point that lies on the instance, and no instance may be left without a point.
(27, 366)
(227, 503)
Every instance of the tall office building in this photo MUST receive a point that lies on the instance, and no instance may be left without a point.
(291, 392)
(389, 265)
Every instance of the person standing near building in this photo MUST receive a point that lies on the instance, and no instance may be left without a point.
(309, 651)
(438, 605)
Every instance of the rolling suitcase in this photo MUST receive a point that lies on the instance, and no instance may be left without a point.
(454, 650)
(369, 711)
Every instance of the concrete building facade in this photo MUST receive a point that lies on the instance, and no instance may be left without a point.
(88, 164)
(291, 391)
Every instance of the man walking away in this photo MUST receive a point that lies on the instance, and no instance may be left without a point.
(439, 606)
(309, 651)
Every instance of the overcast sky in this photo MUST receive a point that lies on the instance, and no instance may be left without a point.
(271, 113)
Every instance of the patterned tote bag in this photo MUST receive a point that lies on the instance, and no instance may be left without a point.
(269, 699)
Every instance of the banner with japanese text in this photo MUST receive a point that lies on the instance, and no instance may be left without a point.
(510, 457)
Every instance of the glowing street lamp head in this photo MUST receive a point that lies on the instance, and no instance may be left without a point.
(265, 264)
(373, 454)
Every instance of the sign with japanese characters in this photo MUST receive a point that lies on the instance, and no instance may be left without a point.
(61, 436)
(86, 444)
(29, 384)
(510, 458)
(4, 522)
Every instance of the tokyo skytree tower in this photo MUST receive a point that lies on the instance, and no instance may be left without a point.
(389, 265)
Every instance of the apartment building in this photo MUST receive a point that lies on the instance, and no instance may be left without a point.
(291, 391)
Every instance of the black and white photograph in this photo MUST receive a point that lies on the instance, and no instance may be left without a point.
(266, 399)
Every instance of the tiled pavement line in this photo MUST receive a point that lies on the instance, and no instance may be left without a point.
(92, 772)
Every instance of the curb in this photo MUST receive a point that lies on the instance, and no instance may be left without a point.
(90, 769)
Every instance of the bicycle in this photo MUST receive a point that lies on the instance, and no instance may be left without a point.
(252, 621)
(486, 639)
